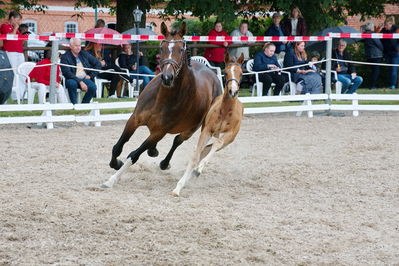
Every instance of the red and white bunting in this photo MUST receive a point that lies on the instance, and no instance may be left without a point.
(365, 35)
(57, 36)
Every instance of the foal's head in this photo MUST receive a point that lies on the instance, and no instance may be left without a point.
(233, 73)
(173, 53)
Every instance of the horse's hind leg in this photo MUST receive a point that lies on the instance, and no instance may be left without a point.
(178, 140)
(128, 131)
(193, 163)
(153, 151)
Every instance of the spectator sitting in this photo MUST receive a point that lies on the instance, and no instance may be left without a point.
(308, 81)
(242, 31)
(295, 25)
(391, 49)
(276, 30)
(215, 56)
(158, 66)
(40, 78)
(14, 49)
(346, 72)
(79, 77)
(266, 60)
(96, 49)
(128, 60)
(374, 51)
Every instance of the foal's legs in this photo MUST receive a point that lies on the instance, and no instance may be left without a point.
(219, 144)
(128, 131)
(178, 140)
(151, 141)
(203, 140)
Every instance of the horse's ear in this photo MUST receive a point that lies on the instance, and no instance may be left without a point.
(164, 30)
(183, 29)
(241, 59)
(226, 58)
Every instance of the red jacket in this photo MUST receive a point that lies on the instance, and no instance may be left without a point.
(216, 54)
(42, 74)
(8, 45)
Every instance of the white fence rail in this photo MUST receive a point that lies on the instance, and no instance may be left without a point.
(324, 103)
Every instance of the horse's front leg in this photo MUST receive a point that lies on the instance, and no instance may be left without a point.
(193, 163)
(128, 131)
(132, 158)
(178, 140)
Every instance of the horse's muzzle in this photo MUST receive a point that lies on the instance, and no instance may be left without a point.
(233, 93)
(167, 79)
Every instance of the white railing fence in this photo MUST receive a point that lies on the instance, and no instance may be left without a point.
(303, 103)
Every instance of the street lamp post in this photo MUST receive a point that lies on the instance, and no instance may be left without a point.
(137, 13)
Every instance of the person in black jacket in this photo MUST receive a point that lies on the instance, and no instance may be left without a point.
(391, 49)
(277, 30)
(266, 60)
(79, 78)
(374, 51)
(346, 71)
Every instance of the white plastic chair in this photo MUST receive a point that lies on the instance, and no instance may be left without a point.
(79, 91)
(28, 88)
(99, 84)
(205, 61)
(133, 92)
(258, 86)
(338, 84)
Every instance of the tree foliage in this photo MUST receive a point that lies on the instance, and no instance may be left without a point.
(318, 14)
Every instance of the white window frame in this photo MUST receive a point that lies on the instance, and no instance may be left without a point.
(30, 21)
(71, 23)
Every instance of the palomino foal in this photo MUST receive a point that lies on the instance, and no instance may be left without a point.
(222, 122)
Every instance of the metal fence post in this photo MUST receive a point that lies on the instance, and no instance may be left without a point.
(53, 71)
(328, 66)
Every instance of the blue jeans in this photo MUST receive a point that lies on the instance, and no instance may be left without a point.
(393, 59)
(143, 70)
(72, 86)
(347, 86)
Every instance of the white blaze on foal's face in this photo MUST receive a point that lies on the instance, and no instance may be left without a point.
(234, 77)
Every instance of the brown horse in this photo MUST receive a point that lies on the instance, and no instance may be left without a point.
(175, 101)
(222, 122)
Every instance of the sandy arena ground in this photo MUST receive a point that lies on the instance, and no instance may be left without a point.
(289, 190)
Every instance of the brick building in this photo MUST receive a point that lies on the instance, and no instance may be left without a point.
(390, 10)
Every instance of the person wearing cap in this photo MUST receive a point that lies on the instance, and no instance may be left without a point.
(374, 51)
(276, 30)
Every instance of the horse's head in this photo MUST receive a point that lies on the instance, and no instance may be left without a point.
(173, 53)
(233, 73)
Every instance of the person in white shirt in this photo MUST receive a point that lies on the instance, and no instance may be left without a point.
(241, 31)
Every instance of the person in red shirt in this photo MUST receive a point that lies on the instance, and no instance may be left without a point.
(14, 49)
(215, 56)
(40, 79)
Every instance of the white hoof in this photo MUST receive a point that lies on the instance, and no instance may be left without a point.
(106, 185)
(176, 192)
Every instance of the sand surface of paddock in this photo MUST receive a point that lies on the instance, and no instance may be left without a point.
(290, 190)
